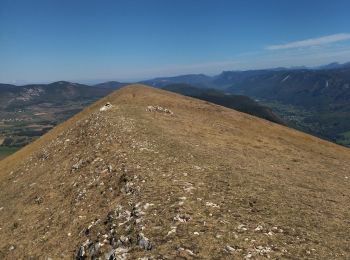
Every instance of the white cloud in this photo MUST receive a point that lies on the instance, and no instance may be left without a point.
(311, 42)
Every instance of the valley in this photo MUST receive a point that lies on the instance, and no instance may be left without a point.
(28, 112)
(22, 126)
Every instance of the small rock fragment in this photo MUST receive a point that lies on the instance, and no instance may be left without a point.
(81, 253)
(144, 242)
(106, 107)
(172, 231)
(211, 204)
(190, 252)
(258, 228)
(230, 249)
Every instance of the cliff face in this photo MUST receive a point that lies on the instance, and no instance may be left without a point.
(158, 175)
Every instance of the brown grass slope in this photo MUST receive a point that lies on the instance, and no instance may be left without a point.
(206, 182)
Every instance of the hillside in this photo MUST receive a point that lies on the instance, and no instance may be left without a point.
(309, 88)
(185, 180)
(318, 100)
(238, 102)
(57, 92)
(314, 100)
(29, 111)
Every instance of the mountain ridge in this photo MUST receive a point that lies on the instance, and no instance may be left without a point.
(148, 173)
(237, 102)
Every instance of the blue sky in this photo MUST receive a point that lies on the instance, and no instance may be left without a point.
(82, 40)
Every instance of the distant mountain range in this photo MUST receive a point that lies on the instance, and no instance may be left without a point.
(59, 92)
(315, 100)
(334, 65)
(31, 110)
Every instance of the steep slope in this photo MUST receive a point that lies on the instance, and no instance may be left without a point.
(187, 179)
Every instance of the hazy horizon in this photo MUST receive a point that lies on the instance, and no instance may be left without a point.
(97, 81)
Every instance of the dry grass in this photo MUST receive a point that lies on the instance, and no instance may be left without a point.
(216, 168)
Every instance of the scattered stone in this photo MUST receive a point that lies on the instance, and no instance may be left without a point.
(259, 228)
(106, 107)
(159, 109)
(77, 165)
(144, 242)
(178, 248)
(119, 253)
(147, 205)
(242, 228)
(230, 249)
(172, 231)
(263, 250)
(38, 200)
(189, 187)
(190, 252)
(125, 240)
(93, 223)
(81, 255)
(94, 249)
(211, 204)
(182, 218)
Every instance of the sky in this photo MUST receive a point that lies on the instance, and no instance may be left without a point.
(94, 41)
